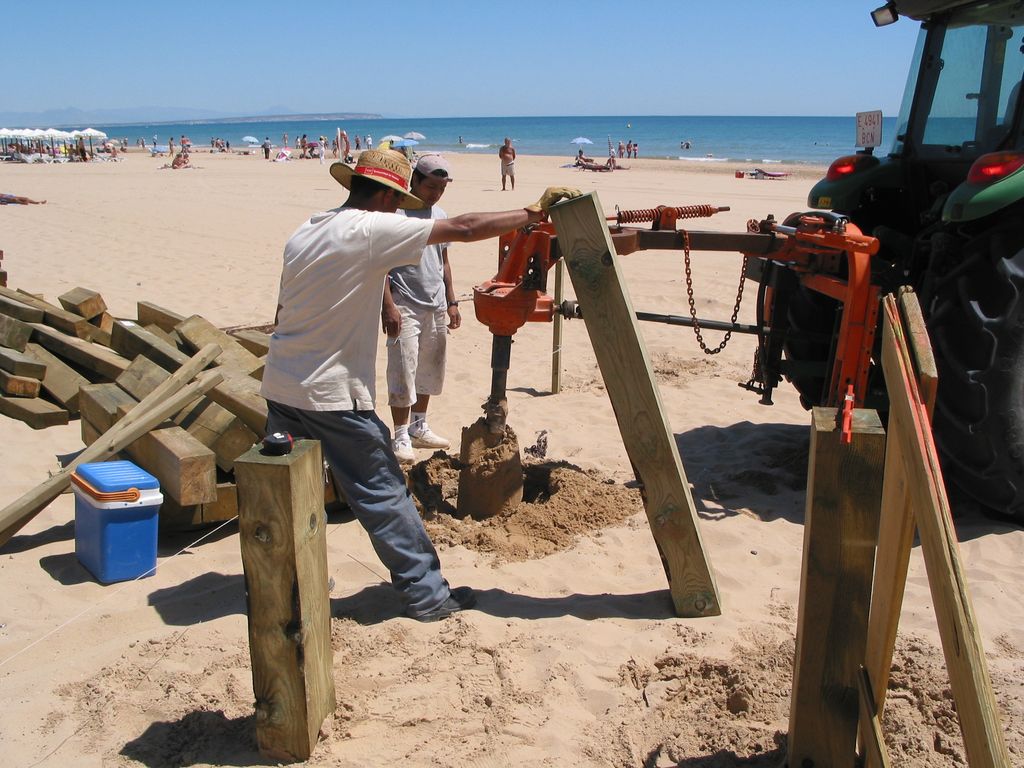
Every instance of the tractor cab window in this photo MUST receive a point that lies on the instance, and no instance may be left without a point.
(977, 77)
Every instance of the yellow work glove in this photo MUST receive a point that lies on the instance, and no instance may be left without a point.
(551, 196)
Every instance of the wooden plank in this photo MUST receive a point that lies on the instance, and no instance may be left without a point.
(35, 412)
(844, 486)
(146, 415)
(131, 340)
(19, 310)
(171, 337)
(958, 627)
(284, 557)
(625, 365)
(148, 312)
(872, 742)
(21, 364)
(53, 316)
(197, 331)
(896, 526)
(241, 395)
(102, 326)
(84, 302)
(61, 381)
(92, 357)
(257, 342)
(18, 386)
(14, 334)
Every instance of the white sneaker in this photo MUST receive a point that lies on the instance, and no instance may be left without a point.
(423, 437)
(403, 450)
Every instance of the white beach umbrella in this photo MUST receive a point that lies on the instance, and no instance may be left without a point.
(416, 136)
(250, 139)
(391, 137)
(92, 133)
(581, 140)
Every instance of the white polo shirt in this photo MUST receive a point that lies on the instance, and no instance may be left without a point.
(323, 352)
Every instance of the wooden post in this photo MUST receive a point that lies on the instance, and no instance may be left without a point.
(844, 486)
(556, 332)
(622, 357)
(958, 627)
(284, 557)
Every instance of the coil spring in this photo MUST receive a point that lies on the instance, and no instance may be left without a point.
(650, 214)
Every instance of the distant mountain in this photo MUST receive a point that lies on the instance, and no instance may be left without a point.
(80, 118)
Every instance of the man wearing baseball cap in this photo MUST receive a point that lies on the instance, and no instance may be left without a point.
(319, 379)
(419, 308)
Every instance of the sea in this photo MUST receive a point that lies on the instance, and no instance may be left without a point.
(689, 139)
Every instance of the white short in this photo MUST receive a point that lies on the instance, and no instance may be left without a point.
(417, 356)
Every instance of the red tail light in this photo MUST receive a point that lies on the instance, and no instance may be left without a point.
(846, 166)
(994, 166)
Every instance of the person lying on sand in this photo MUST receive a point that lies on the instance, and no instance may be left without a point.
(181, 160)
(6, 199)
(608, 165)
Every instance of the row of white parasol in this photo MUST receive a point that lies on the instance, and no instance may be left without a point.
(33, 134)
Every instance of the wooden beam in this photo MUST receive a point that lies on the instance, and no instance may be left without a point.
(146, 415)
(14, 334)
(197, 331)
(844, 487)
(100, 404)
(257, 342)
(212, 425)
(61, 381)
(175, 517)
(18, 386)
(21, 364)
(53, 316)
(84, 302)
(625, 366)
(35, 412)
(85, 354)
(131, 340)
(958, 627)
(284, 557)
(241, 395)
(148, 312)
(186, 469)
(19, 310)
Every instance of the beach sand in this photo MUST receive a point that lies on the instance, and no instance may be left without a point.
(573, 655)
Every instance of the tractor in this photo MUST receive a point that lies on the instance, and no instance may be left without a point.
(946, 205)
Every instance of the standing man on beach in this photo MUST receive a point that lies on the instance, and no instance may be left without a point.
(419, 309)
(507, 156)
(319, 379)
(266, 147)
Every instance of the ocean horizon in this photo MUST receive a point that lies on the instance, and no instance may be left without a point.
(711, 139)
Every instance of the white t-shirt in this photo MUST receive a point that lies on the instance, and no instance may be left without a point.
(323, 352)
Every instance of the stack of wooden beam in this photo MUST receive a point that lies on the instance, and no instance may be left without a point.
(59, 362)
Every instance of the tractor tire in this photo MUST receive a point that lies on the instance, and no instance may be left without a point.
(976, 323)
(808, 359)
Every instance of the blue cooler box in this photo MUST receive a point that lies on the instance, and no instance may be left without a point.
(116, 506)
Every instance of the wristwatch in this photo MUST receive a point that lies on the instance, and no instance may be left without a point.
(453, 304)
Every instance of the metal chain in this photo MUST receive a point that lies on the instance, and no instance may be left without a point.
(693, 308)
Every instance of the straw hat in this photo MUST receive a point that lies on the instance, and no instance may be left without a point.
(385, 166)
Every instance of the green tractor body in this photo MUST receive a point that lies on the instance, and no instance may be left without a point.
(947, 206)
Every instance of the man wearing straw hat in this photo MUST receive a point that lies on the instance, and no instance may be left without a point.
(320, 375)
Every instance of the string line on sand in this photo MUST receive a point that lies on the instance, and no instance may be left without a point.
(114, 594)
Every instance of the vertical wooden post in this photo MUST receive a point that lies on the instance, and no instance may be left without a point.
(625, 366)
(284, 557)
(840, 530)
(556, 332)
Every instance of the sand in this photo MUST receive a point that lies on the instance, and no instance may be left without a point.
(573, 655)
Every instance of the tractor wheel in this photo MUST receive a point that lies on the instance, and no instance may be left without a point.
(808, 359)
(976, 324)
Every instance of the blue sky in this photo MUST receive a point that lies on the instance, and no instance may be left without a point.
(446, 59)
